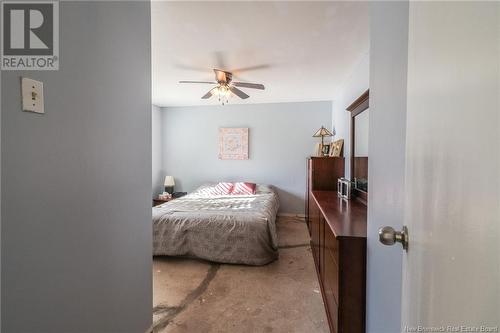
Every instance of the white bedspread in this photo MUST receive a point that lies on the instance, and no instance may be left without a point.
(237, 229)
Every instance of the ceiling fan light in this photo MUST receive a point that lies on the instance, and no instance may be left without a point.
(225, 88)
(223, 91)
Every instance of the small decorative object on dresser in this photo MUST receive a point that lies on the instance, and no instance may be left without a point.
(317, 150)
(233, 143)
(344, 188)
(321, 133)
(325, 149)
(336, 148)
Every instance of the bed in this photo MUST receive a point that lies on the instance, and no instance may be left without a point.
(234, 229)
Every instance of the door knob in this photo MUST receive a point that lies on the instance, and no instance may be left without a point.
(389, 236)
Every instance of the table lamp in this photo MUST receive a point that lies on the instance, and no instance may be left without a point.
(169, 184)
(322, 132)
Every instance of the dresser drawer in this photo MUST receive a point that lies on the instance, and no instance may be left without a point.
(314, 222)
(322, 244)
(331, 243)
(332, 308)
(331, 278)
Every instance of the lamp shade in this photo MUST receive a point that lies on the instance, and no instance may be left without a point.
(169, 181)
(322, 132)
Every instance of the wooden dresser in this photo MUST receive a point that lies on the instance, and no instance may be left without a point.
(322, 175)
(338, 242)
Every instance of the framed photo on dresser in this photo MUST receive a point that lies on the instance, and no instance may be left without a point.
(336, 148)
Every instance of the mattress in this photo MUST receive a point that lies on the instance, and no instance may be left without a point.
(234, 229)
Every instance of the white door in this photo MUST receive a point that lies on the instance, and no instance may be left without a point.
(451, 272)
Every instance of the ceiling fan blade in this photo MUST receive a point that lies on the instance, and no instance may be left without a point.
(238, 93)
(208, 94)
(249, 85)
(250, 68)
(223, 76)
(207, 82)
(190, 68)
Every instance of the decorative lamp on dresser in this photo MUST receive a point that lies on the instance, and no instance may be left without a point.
(338, 240)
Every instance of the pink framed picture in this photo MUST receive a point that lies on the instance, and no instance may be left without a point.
(233, 143)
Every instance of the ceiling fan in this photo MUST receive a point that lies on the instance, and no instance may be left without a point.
(225, 86)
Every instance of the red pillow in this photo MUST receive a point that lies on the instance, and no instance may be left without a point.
(243, 188)
(223, 189)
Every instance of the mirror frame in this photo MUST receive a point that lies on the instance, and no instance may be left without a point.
(359, 105)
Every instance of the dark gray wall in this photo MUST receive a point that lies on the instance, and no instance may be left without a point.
(388, 78)
(0, 200)
(280, 140)
(76, 218)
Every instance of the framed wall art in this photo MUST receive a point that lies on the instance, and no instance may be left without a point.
(233, 143)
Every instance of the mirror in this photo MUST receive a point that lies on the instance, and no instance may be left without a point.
(360, 175)
(359, 146)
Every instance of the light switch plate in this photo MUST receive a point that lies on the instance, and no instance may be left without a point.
(32, 94)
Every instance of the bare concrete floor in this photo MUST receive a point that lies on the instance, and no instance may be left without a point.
(199, 296)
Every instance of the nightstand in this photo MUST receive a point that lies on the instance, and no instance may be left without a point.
(157, 201)
(175, 195)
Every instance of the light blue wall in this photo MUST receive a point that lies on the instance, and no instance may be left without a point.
(353, 87)
(383, 69)
(76, 210)
(386, 168)
(157, 150)
(280, 141)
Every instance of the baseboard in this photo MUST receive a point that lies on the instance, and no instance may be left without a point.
(302, 216)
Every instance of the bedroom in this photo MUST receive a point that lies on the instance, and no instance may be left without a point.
(288, 256)
(394, 229)
(278, 124)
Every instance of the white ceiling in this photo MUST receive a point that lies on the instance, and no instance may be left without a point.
(301, 51)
